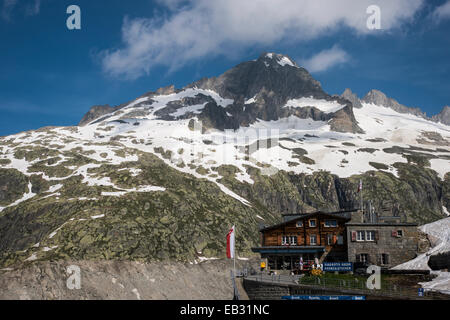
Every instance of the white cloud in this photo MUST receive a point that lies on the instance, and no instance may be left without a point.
(33, 8)
(325, 59)
(202, 28)
(172, 4)
(442, 12)
(30, 7)
(8, 6)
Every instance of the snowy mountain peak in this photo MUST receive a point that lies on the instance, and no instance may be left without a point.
(276, 59)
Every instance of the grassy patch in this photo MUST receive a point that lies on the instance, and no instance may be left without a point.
(379, 166)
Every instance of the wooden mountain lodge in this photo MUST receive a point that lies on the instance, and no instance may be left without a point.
(303, 238)
(343, 236)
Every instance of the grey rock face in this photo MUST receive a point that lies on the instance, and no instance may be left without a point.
(379, 98)
(95, 112)
(272, 80)
(248, 79)
(353, 98)
(443, 116)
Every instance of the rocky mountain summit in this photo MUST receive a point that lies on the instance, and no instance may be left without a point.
(353, 98)
(164, 176)
(96, 112)
(443, 116)
(269, 88)
(379, 98)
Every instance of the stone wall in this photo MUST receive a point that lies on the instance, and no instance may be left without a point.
(399, 249)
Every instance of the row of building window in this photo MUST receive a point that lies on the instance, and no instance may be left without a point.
(365, 235)
(313, 223)
(364, 258)
(370, 235)
(331, 239)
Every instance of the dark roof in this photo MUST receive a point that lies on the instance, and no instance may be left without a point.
(318, 211)
(343, 214)
(303, 216)
(382, 224)
(289, 249)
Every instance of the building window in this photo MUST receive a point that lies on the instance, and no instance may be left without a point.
(312, 223)
(360, 236)
(384, 258)
(288, 240)
(329, 239)
(313, 239)
(370, 235)
(340, 240)
(299, 224)
(363, 257)
(293, 240)
(330, 223)
(400, 233)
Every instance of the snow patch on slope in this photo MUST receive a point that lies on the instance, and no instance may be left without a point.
(439, 230)
(25, 197)
(321, 104)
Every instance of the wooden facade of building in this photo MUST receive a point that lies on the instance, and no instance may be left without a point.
(301, 239)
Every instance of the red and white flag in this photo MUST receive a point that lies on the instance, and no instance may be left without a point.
(360, 186)
(230, 243)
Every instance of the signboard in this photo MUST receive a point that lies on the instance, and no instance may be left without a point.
(337, 266)
(420, 292)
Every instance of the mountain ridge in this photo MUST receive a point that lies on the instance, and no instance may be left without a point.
(257, 78)
(271, 81)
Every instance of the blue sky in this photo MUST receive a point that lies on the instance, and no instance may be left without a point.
(51, 75)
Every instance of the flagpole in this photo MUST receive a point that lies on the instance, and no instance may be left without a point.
(361, 191)
(234, 252)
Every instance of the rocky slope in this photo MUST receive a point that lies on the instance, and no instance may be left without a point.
(164, 177)
(105, 280)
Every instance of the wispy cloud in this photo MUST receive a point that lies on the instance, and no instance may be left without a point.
(7, 8)
(29, 7)
(204, 28)
(326, 59)
(33, 8)
(441, 12)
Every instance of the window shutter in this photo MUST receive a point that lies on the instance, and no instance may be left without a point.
(353, 235)
(394, 233)
(334, 239)
(377, 235)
